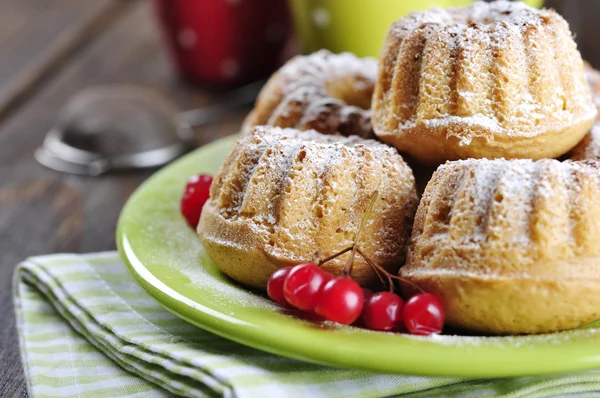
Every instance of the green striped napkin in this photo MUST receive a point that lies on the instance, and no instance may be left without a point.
(87, 329)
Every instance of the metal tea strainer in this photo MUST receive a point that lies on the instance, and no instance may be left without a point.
(116, 127)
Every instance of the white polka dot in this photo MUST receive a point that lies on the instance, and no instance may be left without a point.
(187, 38)
(321, 17)
(230, 68)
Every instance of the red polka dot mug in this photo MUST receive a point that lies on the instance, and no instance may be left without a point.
(225, 42)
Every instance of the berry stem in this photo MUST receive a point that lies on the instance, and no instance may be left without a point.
(365, 217)
(346, 250)
(378, 270)
(409, 282)
(348, 268)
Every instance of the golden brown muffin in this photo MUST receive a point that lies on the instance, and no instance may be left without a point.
(510, 247)
(282, 195)
(330, 93)
(490, 80)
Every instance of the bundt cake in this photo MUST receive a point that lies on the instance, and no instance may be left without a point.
(491, 80)
(510, 246)
(330, 93)
(282, 196)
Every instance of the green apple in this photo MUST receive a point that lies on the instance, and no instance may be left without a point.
(358, 26)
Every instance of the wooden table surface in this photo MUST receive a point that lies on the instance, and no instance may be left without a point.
(75, 44)
(49, 50)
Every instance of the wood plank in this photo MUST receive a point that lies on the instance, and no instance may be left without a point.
(36, 37)
(27, 27)
(42, 211)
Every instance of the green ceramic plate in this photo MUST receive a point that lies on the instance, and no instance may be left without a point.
(168, 261)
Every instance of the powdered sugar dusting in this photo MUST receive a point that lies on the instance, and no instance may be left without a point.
(481, 75)
(509, 341)
(319, 68)
(509, 196)
(474, 341)
(479, 13)
(296, 192)
(328, 92)
(328, 148)
(499, 232)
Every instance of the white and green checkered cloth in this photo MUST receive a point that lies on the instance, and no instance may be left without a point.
(87, 329)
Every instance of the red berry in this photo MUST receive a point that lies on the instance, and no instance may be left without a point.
(367, 293)
(303, 285)
(197, 192)
(275, 285)
(383, 311)
(341, 301)
(328, 277)
(424, 314)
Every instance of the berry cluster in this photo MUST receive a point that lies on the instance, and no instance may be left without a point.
(197, 192)
(310, 289)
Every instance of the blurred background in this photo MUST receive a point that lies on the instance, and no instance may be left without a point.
(216, 44)
(228, 42)
(191, 53)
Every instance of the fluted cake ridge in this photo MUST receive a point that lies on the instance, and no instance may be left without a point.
(499, 239)
(282, 195)
(492, 80)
